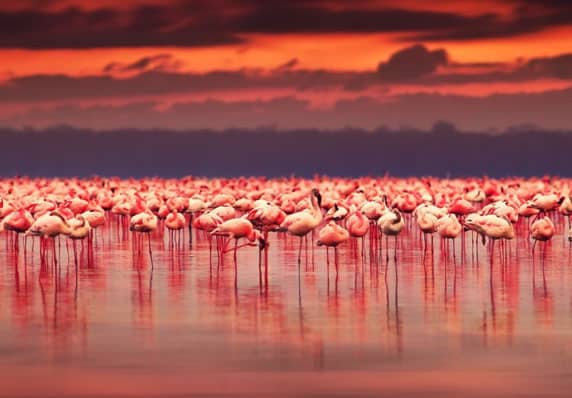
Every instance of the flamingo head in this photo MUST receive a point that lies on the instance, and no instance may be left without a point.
(262, 243)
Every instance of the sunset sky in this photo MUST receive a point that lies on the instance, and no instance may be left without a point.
(104, 64)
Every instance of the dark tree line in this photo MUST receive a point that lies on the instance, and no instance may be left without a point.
(66, 151)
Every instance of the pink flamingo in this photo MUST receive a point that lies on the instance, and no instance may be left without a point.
(301, 223)
(358, 225)
(566, 210)
(207, 222)
(427, 222)
(144, 222)
(236, 229)
(331, 235)
(49, 225)
(195, 206)
(174, 222)
(19, 222)
(391, 224)
(79, 229)
(338, 212)
(449, 228)
(542, 230)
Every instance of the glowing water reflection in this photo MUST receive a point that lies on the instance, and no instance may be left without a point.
(187, 325)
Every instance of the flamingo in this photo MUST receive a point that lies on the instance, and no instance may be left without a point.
(476, 195)
(301, 223)
(331, 235)
(373, 210)
(449, 227)
(174, 221)
(405, 202)
(461, 207)
(236, 229)
(243, 204)
(490, 226)
(542, 230)
(95, 217)
(391, 223)
(207, 222)
(546, 202)
(338, 212)
(225, 212)
(528, 209)
(427, 222)
(357, 225)
(196, 205)
(50, 225)
(79, 229)
(18, 221)
(566, 209)
(266, 216)
(144, 222)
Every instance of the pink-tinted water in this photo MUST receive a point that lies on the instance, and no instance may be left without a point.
(425, 325)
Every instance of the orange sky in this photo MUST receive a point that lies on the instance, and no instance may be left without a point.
(362, 52)
(512, 34)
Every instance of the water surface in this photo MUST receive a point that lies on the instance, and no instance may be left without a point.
(468, 324)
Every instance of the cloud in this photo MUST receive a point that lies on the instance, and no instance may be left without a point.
(159, 74)
(411, 63)
(288, 65)
(158, 82)
(199, 23)
(526, 17)
(159, 62)
(315, 17)
(548, 110)
(559, 67)
(106, 27)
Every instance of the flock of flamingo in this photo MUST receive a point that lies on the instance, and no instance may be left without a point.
(248, 209)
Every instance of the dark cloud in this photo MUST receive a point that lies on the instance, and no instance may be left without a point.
(288, 65)
(496, 112)
(210, 23)
(411, 63)
(524, 19)
(159, 62)
(77, 28)
(286, 17)
(62, 87)
(559, 67)
(158, 75)
(425, 25)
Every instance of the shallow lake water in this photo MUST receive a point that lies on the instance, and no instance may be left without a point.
(431, 323)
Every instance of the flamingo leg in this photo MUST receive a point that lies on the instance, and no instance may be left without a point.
(336, 259)
(191, 230)
(150, 251)
(235, 249)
